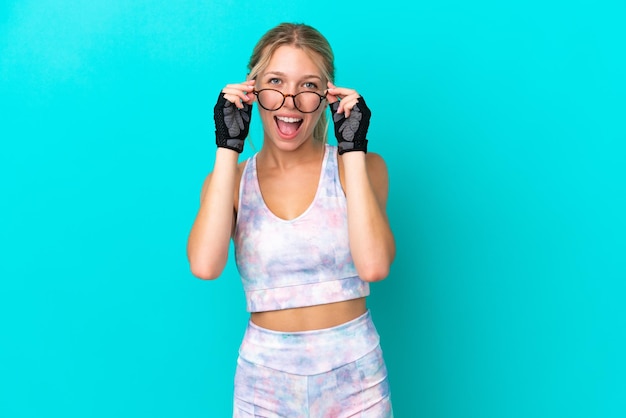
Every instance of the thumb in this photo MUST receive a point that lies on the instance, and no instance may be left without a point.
(329, 97)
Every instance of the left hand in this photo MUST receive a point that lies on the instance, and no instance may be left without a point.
(351, 118)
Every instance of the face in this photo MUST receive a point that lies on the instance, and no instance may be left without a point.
(290, 71)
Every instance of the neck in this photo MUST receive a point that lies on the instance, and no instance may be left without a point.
(310, 151)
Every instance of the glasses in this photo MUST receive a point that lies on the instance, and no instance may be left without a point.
(305, 101)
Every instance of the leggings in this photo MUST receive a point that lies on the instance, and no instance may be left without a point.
(334, 372)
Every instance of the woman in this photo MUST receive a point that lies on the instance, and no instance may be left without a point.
(310, 230)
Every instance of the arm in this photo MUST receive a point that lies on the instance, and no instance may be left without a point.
(371, 241)
(366, 185)
(209, 239)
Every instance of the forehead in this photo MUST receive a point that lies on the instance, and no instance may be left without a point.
(294, 62)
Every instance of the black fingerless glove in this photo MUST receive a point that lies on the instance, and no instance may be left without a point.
(351, 131)
(231, 124)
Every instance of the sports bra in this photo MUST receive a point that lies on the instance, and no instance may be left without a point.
(299, 262)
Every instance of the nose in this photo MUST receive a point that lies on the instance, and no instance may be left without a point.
(291, 104)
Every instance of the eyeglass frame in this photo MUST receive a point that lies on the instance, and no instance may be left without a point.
(293, 97)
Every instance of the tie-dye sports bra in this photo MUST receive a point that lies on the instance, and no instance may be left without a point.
(299, 262)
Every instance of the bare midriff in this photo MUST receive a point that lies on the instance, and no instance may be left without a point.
(310, 318)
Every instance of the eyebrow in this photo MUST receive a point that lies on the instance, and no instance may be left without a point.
(305, 77)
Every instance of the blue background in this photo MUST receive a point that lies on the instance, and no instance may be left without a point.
(503, 125)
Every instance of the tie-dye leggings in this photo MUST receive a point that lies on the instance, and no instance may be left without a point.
(335, 372)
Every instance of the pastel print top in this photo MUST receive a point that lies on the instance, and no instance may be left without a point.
(299, 262)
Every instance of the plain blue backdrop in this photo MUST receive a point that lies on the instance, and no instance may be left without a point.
(502, 124)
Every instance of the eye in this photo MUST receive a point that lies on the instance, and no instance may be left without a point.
(310, 85)
(274, 81)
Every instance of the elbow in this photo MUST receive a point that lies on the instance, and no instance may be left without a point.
(205, 272)
(374, 264)
(377, 268)
(203, 267)
(374, 273)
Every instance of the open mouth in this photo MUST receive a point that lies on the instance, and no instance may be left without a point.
(287, 126)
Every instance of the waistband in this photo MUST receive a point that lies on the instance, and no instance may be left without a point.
(306, 294)
(310, 352)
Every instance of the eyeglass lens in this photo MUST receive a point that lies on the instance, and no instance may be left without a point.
(305, 101)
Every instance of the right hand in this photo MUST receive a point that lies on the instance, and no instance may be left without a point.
(232, 114)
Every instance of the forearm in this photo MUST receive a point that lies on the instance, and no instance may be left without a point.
(371, 240)
(209, 239)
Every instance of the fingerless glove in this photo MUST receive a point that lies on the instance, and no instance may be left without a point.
(351, 132)
(231, 124)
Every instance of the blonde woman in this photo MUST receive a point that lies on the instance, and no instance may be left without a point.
(310, 232)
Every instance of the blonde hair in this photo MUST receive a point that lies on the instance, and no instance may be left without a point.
(302, 36)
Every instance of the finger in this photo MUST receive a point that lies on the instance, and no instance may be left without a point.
(330, 97)
(344, 109)
(237, 99)
(347, 98)
(238, 89)
(246, 85)
(350, 102)
(239, 93)
(342, 92)
(353, 101)
(234, 95)
(342, 106)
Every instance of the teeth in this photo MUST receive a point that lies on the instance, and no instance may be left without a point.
(288, 120)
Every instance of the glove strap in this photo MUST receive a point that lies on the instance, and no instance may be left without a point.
(358, 145)
(230, 143)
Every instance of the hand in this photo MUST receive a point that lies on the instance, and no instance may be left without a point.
(351, 118)
(232, 114)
